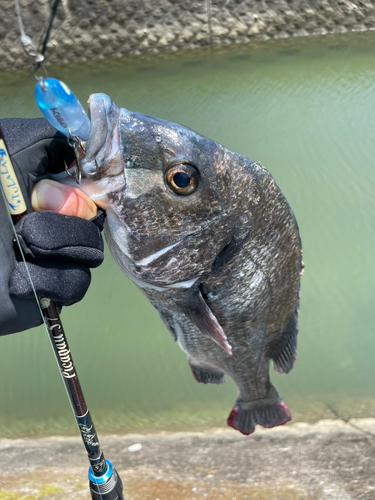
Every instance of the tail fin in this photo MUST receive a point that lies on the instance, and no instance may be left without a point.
(268, 412)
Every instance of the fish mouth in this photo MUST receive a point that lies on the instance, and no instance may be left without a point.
(103, 142)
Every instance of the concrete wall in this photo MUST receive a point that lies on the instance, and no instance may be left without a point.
(87, 29)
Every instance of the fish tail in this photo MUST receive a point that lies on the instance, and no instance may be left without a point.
(268, 412)
(205, 375)
(284, 355)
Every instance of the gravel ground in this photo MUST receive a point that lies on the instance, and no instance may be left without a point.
(330, 460)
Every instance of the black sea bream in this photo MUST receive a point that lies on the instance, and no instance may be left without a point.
(209, 238)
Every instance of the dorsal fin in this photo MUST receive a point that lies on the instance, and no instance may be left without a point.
(197, 310)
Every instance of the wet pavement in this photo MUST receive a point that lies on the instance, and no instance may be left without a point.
(329, 460)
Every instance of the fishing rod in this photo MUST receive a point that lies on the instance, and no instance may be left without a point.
(104, 481)
(64, 111)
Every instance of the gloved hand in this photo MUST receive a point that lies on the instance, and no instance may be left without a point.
(59, 247)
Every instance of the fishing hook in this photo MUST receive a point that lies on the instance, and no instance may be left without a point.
(75, 143)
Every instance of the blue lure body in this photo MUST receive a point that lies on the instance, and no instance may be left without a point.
(61, 108)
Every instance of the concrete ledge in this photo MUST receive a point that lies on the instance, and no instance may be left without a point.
(329, 460)
(89, 29)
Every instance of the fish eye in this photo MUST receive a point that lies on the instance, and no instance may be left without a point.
(182, 179)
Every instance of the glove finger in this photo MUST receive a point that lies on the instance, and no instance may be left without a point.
(65, 284)
(99, 219)
(53, 236)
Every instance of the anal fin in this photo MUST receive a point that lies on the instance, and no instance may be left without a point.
(205, 376)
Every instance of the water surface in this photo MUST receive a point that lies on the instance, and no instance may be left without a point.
(305, 108)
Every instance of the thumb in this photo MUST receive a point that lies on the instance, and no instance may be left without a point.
(62, 199)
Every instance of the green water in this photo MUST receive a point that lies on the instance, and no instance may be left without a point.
(305, 108)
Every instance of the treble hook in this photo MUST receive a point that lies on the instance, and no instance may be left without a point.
(75, 143)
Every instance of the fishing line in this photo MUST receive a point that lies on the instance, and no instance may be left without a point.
(209, 24)
(48, 32)
(22, 254)
(19, 18)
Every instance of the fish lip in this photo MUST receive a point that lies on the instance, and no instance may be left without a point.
(99, 109)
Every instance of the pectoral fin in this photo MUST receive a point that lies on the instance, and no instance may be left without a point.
(197, 310)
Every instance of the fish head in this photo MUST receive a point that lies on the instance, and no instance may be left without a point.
(167, 191)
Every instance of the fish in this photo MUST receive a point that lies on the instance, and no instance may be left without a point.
(210, 240)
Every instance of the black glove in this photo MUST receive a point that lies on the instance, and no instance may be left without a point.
(59, 249)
